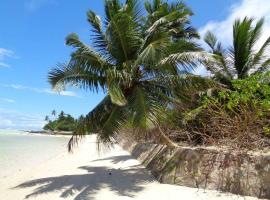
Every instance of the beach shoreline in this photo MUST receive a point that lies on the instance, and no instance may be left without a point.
(44, 132)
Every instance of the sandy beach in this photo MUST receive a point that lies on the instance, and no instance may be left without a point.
(87, 175)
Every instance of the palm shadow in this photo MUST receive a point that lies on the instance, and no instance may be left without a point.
(123, 182)
(115, 159)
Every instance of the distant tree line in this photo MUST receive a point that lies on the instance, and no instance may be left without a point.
(62, 122)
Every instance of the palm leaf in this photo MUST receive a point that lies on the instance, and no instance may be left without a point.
(188, 60)
(99, 39)
(105, 119)
(211, 40)
(75, 75)
(116, 94)
(144, 109)
(123, 33)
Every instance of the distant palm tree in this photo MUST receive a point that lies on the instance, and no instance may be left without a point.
(136, 60)
(53, 113)
(61, 115)
(243, 58)
(46, 118)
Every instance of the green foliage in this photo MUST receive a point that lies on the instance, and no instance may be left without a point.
(237, 117)
(253, 91)
(62, 123)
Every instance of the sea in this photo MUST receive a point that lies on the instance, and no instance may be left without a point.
(20, 150)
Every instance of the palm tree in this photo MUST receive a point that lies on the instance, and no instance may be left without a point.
(242, 59)
(61, 115)
(136, 61)
(53, 113)
(46, 118)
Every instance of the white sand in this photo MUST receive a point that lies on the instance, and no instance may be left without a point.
(84, 175)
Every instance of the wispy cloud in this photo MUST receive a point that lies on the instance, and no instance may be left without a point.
(250, 8)
(16, 120)
(40, 90)
(5, 100)
(4, 54)
(4, 65)
(62, 93)
(33, 5)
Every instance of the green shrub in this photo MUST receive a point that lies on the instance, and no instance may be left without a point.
(253, 91)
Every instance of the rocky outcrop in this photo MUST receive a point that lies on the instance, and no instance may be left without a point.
(208, 168)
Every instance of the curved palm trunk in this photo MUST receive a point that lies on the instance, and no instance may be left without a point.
(165, 139)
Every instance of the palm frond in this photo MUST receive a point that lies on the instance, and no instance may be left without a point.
(145, 109)
(211, 40)
(165, 20)
(105, 120)
(264, 67)
(134, 8)
(121, 77)
(256, 32)
(241, 45)
(187, 60)
(152, 7)
(184, 81)
(153, 49)
(124, 35)
(261, 55)
(112, 7)
(75, 75)
(116, 94)
(99, 39)
(117, 81)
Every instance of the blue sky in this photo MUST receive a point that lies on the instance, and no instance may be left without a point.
(32, 34)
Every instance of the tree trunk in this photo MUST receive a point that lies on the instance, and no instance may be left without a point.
(166, 140)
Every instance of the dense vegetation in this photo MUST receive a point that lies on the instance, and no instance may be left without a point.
(143, 59)
(63, 122)
(238, 118)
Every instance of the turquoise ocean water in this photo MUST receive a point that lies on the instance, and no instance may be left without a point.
(19, 150)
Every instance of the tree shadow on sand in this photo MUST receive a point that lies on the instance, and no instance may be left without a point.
(123, 182)
(115, 159)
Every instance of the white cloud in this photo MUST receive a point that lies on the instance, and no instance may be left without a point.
(33, 5)
(5, 53)
(16, 120)
(251, 8)
(4, 65)
(68, 93)
(40, 90)
(5, 100)
(62, 93)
